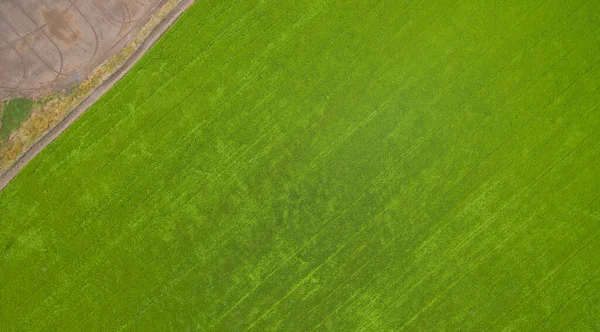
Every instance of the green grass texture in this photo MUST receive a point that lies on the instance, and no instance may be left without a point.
(325, 165)
(12, 114)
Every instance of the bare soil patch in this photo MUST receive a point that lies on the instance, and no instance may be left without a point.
(46, 46)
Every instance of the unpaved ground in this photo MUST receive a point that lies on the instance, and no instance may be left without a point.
(51, 135)
(47, 45)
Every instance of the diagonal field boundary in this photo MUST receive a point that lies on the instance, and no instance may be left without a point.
(55, 132)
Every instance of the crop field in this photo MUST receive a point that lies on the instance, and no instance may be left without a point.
(325, 165)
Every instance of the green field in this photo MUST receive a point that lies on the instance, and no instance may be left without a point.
(329, 165)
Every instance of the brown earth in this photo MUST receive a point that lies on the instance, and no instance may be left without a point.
(47, 45)
(53, 114)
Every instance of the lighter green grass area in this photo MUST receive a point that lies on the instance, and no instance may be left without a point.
(12, 113)
(325, 165)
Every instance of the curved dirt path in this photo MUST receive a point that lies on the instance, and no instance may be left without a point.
(156, 33)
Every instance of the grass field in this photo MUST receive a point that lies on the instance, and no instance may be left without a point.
(344, 165)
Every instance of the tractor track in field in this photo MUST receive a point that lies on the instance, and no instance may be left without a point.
(55, 132)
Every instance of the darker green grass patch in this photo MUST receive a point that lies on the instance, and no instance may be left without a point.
(14, 112)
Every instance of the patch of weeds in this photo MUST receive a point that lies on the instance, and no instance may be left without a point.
(13, 113)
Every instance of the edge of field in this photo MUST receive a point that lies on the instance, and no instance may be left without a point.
(96, 93)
